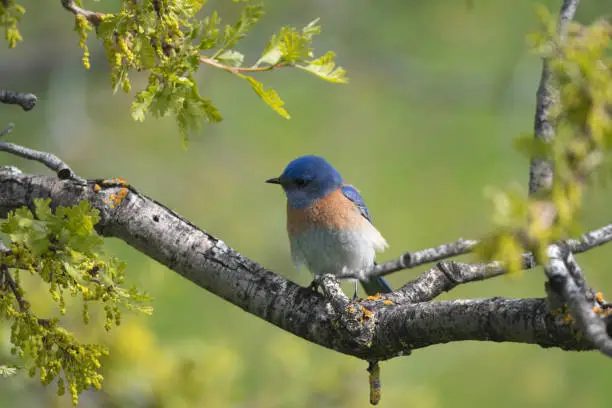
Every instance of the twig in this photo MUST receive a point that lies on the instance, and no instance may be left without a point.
(375, 387)
(23, 304)
(93, 17)
(568, 10)
(26, 100)
(8, 130)
(462, 246)
(413, 259)
(448, 274)
(233, 70)
(591, 239)
(50, 160)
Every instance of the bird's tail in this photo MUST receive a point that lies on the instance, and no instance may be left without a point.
(376, 285)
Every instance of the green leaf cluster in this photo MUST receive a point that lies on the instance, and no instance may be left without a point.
(289, 48)
(62, 249)
(167, 41)
(10, 15)
(580, 66)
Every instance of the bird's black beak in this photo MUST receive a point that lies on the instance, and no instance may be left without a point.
(274, 180)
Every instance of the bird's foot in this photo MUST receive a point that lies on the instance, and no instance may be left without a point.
(355, 291)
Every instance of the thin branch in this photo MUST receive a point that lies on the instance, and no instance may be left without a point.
(53, 162)
(10, 282)
(568, 10)
(446, 275)
(26, 100)
(214, 63)
(424, 256)
(462, 246)
(565, 278)
(590, 240)
(8, 129)
(93, 17)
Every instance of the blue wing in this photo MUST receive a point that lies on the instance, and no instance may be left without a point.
(377, 284)
(352, 194)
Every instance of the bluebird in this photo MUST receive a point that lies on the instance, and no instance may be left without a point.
(329, 226)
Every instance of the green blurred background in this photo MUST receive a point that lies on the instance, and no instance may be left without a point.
(438, 91)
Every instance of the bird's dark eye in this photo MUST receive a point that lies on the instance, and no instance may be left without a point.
(299, 183)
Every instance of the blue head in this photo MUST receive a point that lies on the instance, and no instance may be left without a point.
(307, 179)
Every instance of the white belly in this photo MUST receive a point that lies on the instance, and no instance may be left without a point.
(337, 252)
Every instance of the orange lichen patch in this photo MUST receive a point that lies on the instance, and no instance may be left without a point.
(599, 297)
(602, 312)
(118, 180)
(97, 187)
(375, 297)
(121, 195)
(387, 302)
(110, 198)
(115, 181)
(115, 199)
(350, 309)
(367, 314)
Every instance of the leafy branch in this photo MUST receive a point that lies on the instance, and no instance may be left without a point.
(62, 249)
(169, 43)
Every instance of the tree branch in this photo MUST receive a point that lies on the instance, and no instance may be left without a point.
(370, 329)
(566, 280)
(413, 259)
(93, 17)
(26, 100)
(53, 162)
(8, 130)
(541, 170)
(5, 276)
(590, 240)
(446, 275)
(566, 284)
(413, 326)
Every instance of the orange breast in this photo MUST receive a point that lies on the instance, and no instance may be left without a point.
(333, 211)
